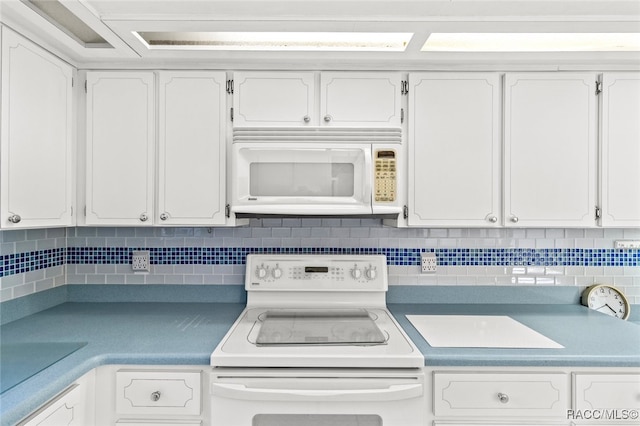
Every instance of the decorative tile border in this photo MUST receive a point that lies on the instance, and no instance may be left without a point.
(20, 263)
(25, 262)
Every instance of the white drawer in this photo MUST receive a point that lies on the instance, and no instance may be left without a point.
(158, 392)
(607, 391)
(500, 394)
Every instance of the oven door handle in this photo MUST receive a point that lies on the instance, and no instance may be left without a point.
(391, 393)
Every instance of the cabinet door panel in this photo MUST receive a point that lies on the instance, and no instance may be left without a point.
(620, 155)
(454, 149)
(274, 99)
(191, 169)
(550, 123)
(360, 99)
(68, 408)
(120, 148)
(37, 136)
(607, 391)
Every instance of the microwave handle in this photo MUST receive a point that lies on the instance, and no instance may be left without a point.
(391, 393)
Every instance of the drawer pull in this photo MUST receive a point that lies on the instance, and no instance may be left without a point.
(155, 396)
(503, 397)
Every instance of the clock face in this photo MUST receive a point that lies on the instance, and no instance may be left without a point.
(608, 301)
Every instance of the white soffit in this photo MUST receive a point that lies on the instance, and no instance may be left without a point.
(121, 21)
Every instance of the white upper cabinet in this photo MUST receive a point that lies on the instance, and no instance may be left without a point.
(120, 148)
(550, 149)
(620, 149)
(274, 99)
(191, 148)
(297, 99)
(454, 149)
(36, 155)
(360, 99)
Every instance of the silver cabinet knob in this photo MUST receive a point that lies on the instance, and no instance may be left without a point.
(327, 118)
(307, 119)
(514, 219)
(144, 217)
(492, 219)
(155, 395)
(503, 397)
(164, 216)
(15, 218)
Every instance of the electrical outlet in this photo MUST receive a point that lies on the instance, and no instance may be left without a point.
(627, 244)
(429, 262)
(140, 261)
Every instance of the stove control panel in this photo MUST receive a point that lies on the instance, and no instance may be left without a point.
(316, 272)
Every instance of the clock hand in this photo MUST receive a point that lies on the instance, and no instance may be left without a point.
(612, 310)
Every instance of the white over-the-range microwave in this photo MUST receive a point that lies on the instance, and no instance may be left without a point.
(317, 171)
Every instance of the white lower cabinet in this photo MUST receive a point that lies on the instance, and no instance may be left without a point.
(151, 396)
(74, 406)
(512, 396)
(500, 394)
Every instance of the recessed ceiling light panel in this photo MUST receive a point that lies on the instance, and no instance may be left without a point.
(63, 18)
(532, 42)
(276, 41)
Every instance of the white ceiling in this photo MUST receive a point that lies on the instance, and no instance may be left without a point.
(116, 20)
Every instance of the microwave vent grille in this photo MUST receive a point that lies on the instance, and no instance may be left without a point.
(317, 134)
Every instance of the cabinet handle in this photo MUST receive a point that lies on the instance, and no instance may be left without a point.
(493, 219)
(514, 219)
(15, 218)
(327, 118)
(155, 396)
(144, 217)
(503, 397)
(164, 216)
(307, 119)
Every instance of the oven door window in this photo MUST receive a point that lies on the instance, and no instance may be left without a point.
(317, 327)
(316, 420)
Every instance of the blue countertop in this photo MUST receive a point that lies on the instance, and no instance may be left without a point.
(116, 333)
(590, 339)
(157, 333)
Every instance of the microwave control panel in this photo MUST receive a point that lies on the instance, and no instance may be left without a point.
(385, 175)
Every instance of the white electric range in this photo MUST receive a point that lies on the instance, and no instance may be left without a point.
(316, 311)
(316, 345)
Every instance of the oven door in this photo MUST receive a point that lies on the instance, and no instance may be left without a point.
(314, 397)
(296, 178)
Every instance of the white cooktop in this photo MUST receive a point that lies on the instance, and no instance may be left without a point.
(478, 331)
(327, 311)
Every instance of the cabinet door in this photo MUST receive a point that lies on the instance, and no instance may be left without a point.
(274, 99)
(68, 408)
(550, 167)
(620, 155)
(120, 148)
(607, 391)
(360, 99)
(191, 143)
(454, 149)
(37, 136)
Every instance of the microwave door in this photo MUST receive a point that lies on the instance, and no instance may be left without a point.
(302, 180)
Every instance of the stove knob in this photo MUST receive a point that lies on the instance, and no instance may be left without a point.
(371, 273)
(356, 273)
(261, 272)
(276, 273)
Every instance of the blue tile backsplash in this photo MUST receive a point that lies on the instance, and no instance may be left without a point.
(37, 260)
(31, 261)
